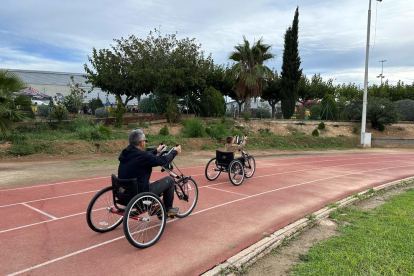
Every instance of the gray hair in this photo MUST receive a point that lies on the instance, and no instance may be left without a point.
(136, 136)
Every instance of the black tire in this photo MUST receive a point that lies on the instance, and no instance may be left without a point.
(186, 202)
(236, 172)
(212, 171)
(249, 167)
(144, 220)
(99, 216)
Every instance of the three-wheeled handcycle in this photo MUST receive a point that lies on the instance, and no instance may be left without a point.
(237, 169)
(143, 213)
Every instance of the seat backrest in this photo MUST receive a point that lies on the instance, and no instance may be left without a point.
(124, 189)
(224, 157)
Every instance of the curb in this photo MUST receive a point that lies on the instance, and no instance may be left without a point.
(254, 252)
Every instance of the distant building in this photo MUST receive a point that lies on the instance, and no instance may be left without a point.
(50, 83)
(255, 103)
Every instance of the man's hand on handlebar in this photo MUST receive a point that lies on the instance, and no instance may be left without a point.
(177, 148)
(160, 147)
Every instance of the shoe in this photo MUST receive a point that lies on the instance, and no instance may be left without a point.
(172, 211)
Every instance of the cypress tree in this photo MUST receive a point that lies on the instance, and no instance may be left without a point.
(291, 71)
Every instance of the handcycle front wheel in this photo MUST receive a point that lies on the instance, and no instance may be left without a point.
(101, 213)
(186, 197)
(144, 220)
(250, 166)
(236, 172)
(212, 170)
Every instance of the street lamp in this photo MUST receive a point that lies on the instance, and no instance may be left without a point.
(382, 70)
(366, 137)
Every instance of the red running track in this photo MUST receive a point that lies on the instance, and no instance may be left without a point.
(43, 229)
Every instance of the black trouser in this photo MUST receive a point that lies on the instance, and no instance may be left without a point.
(241, 159)
(164, 186)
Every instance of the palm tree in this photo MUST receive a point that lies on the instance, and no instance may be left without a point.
(248, 71)
(11, 110)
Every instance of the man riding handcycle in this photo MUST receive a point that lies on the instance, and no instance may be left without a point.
(135, 201)
(237, 169)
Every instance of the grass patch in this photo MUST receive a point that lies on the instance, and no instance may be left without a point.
(378, 242)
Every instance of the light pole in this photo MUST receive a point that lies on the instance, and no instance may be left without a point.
(366, 137)
(382, 70)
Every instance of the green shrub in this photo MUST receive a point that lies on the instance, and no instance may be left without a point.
(406, 109)
(164, 131)
(143, 124)
(262, 113)
(336, 125)
(381, 112)
(43, 111)
(219, 131)
(315, 111)
(95, 104)
(208, 130)
(118, 113)
(237, 132)
(321, 125)
(330, 108)
(265, 132)
(79, 123)
(246, 116)
(59, 113)
(355, 129)
(22, 149)
(381, 127)
(315, 132)
(71, 104)
(96, 132)
(171, 110)
(193, 128)
(101, 112)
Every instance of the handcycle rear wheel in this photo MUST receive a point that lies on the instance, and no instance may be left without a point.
(236, 172)
(249, 167)
(100, 213)
(212, 171)
(187, 195)
(144, 220)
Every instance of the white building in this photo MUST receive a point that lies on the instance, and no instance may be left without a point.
(51, 83)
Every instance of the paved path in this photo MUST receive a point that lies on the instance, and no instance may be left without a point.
(43, 229)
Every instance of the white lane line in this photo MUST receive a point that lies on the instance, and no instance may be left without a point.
(196, 213)
(266, 160)
(41, 222)
(52, 184)
(312, 169)
(72, 181)
(226, 191)
(216, 184)
(40, 211)
(207, 186)
(48, 198)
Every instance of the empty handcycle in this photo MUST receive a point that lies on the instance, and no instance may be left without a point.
(236, 169)
(143, 213)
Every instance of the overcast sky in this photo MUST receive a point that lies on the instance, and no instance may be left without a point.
(59, 35)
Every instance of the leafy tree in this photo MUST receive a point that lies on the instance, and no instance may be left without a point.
(381, 112)
(406, 109)
(94, 104)
(248, 72)
(77, 93)
(212, 102)
(330, 108)
(291, 73)
(171, 110)
(70, 103)
(272, 92)
(11, 110)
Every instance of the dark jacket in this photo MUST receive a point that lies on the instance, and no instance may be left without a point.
(135, 163)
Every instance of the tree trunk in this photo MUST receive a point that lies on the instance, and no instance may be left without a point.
(247, 105)
(273, 105)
